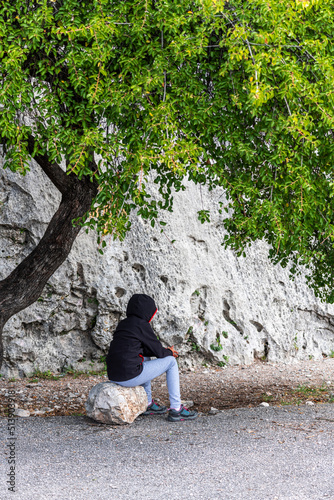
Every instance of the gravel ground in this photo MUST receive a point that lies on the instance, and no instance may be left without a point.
(221, 388)
(245, 454)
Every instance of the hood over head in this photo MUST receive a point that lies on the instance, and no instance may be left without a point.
(141, 305)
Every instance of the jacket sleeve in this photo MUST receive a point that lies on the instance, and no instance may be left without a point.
(147, 352)
(152, 346)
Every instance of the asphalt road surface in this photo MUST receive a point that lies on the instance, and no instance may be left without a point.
(251, 453)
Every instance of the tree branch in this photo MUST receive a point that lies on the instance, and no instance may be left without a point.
(55, 173)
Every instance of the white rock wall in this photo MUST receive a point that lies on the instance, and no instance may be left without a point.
(201, 289)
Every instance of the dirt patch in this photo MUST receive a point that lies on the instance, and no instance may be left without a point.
(221, 388)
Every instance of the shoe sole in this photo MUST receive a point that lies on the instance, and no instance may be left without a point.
(155, 412)
(181, 419)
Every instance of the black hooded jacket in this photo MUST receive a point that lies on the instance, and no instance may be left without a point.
(133, 339)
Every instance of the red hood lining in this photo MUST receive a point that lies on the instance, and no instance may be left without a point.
(153, 315)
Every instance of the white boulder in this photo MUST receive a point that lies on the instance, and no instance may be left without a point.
(113, 404)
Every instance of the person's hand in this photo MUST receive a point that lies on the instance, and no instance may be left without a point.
(175, 353)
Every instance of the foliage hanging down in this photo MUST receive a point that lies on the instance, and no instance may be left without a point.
(236, 93)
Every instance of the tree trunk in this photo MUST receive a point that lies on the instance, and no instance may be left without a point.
(25, 284)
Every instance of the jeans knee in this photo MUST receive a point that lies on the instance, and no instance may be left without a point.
(172, 361)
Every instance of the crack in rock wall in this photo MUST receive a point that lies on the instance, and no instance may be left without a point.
(212, 305)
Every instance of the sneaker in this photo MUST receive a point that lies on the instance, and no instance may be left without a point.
(154, 409)
(182, 414)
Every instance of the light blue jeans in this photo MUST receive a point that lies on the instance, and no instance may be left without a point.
(152, 368)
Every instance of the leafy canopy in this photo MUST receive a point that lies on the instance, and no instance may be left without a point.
(237, 94)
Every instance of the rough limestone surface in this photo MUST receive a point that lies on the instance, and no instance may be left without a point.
(212, 305)
(112, 404)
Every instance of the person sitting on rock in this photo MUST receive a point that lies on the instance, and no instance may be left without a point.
(129, 363)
